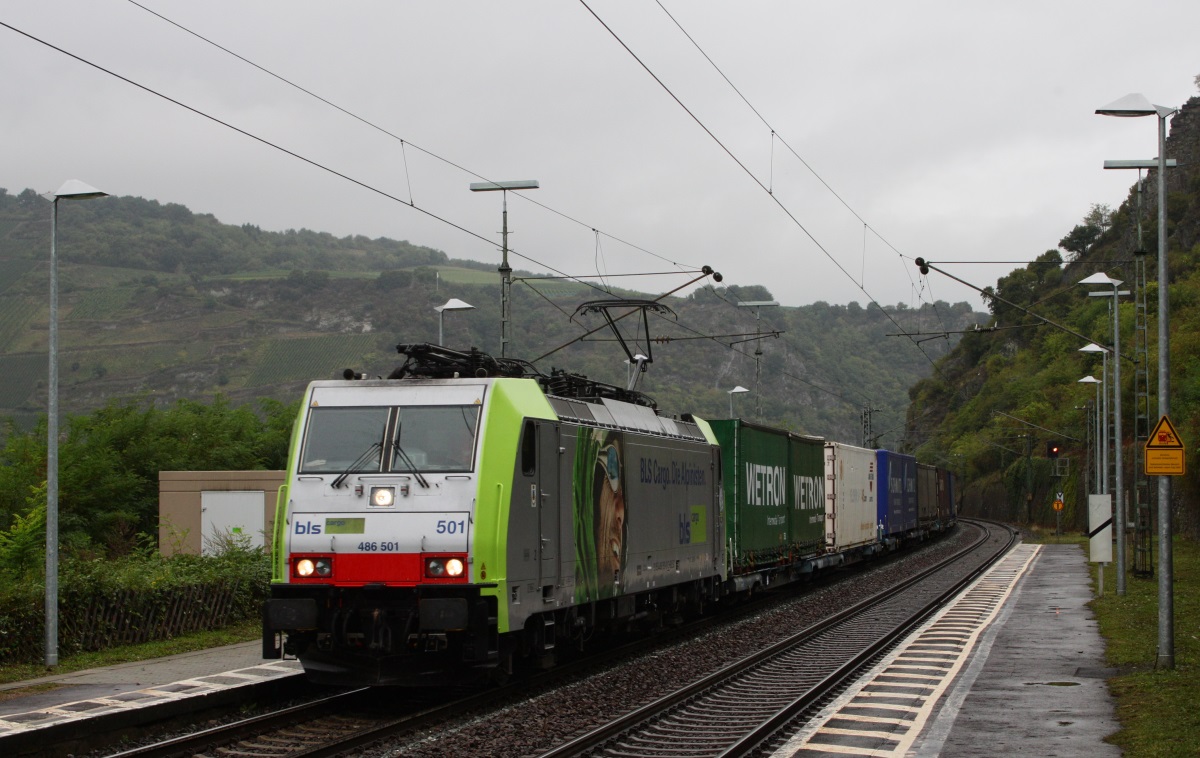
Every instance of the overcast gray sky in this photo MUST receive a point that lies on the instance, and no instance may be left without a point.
(958, 131)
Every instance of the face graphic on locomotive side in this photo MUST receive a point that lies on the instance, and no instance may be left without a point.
(599, 514)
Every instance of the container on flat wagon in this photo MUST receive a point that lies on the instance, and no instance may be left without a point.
(945, 496)
(754, 462)
(850, 497)
(806, 521)
(930, 488)
(897, 512)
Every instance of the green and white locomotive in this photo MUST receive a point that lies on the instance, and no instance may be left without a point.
(468, 512)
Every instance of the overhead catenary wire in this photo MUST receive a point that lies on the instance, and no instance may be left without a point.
(409, 202)
(319, 166)
(704, 127)
(403, 142)
(924, 264)
(286, 151)
(775, 135)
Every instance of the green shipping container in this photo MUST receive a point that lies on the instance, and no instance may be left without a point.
(754, 461)
(806, 475)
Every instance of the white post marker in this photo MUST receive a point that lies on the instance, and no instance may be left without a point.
(1100, 524)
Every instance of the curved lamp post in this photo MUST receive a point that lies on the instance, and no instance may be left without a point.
(1089, 379)
(453, 304)
(735, 391)
(73, 189)
(1119, 475)
(1102, 411)
(1134, 106)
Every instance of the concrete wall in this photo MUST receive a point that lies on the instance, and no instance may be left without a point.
(179, 503)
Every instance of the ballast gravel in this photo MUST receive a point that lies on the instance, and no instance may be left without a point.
(549, 718)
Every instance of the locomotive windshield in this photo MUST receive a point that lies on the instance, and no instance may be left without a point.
(436, 438)
(336, 437)
(423, 438)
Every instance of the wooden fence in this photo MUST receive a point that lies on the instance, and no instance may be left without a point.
(125, 617)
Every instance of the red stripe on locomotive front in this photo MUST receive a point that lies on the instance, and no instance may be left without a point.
(392, 569)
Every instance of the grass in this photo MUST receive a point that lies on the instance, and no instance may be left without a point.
(21, 375)
(304, 358)
(1157, 709)
(243, 632)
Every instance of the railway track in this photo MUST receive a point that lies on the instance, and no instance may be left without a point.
(739, 708)
(343, 723)
(339, 723)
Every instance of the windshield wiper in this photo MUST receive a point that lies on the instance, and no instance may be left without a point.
(357, 464)
(412, 468)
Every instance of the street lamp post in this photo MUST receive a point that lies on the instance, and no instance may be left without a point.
(71, 190)
(1089, 379)
(735, 391)
(1102, 410)
(453, 304)
(505, 269)
(1101, 278)
(1133, 106)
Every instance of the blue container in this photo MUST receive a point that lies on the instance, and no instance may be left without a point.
(897, 493)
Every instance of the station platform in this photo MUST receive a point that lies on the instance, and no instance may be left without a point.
(53, 709)
(1013, 666)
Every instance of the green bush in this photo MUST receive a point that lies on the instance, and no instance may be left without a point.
(137, 598)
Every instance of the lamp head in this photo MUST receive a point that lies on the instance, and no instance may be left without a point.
(73, 189)
(454, 304)
(1131, 106)
(1101, 278)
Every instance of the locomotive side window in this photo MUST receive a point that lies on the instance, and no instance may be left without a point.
(435, 438)
(337, 437)
(528, 449)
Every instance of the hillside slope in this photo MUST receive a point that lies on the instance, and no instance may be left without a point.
(160, 302)
(998, 391)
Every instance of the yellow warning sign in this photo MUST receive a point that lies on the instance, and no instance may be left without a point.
(1058, 505)
(1164, 451)
(1164, 436)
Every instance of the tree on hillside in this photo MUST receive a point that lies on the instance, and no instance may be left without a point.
(1083, 236)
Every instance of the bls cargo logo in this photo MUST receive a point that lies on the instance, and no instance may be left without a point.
(692, 529)
(307, 527)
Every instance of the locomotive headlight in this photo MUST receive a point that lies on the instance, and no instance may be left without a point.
(310, 567)
(440, 568)
(383, 497)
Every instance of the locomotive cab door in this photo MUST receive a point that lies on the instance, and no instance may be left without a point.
(548, 462)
